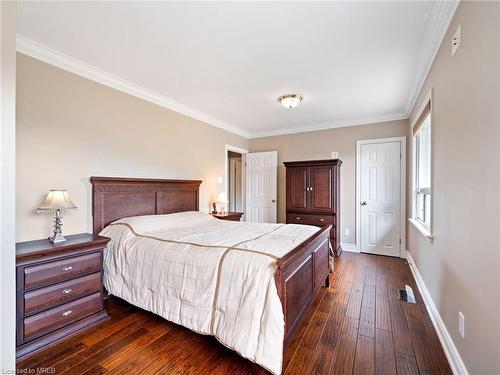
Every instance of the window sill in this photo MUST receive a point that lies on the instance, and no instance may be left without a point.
(423, 230)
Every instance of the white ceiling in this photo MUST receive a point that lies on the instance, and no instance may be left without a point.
(227, 63)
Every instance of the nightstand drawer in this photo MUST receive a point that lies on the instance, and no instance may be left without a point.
(318, 220)
(68, 268)
(60, 316)
(44, 298)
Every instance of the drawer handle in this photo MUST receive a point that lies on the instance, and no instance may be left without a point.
(67, 291)
(69, 268)
(321, 220)
(297, 218)
(66, 313)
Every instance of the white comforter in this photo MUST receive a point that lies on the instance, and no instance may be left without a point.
(212, 276)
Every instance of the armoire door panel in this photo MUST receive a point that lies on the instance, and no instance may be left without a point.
(321, 188)
(296, 189)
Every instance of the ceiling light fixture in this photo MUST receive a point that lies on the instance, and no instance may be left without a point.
(290, 101)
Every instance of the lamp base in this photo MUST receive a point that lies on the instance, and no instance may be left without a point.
(57, 237)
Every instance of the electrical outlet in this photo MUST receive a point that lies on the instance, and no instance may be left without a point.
(219, 180)
(461, 324)
(347, 232)
(335, 155)
(456, 40)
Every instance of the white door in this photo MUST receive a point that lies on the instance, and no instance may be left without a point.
(261, 183)
(380, 197)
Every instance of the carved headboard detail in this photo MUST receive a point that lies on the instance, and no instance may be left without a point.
(114, 198)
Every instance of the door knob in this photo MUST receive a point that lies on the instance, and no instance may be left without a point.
(363, 203)
(274, 200)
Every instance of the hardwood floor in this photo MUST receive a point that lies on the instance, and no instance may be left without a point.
(357, 326)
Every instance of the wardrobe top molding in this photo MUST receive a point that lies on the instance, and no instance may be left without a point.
(308, 162)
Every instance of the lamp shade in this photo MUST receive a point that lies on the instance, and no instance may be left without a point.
(221, 198)
(57, 200)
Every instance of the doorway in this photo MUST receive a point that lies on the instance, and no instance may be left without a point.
(381, 196)
(235, 181)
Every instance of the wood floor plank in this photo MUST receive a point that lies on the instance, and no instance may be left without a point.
(135, 346)
(343, 358)
(214, 362)
(323, 358)
(97, 370)
(344, 293)
(358, 325)
(385, 361)
(135, 318)
(382, 313)
(93, 359)
(355, 299)
(406, 365)
(105, 340)
(364, 361)
(429, 358)
(369, 296)
(381, 278)
(367, 322)
(400, 329)
(371, 270)
(155, 353)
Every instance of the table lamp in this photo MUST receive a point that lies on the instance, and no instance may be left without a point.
(57, 201)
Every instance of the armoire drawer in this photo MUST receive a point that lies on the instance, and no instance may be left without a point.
(318, 220)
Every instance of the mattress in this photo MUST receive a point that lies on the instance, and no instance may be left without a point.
(212, 276)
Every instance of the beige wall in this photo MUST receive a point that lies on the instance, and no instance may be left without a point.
(461, 267)
(70, 128)
(319, 145)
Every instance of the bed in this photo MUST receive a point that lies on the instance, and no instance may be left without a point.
(247, 284)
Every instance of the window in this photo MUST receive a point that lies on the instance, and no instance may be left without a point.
(422, 180)
(423, 173)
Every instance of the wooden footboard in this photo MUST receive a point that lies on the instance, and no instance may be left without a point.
(300, 275)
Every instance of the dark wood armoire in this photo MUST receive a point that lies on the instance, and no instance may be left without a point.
(313, 195)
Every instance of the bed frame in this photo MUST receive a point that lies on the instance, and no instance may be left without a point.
(299, 276)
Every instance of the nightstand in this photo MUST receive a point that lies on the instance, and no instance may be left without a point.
(59, 290)
(231, 216)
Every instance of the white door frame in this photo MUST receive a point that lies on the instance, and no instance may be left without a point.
(8, 187)
(241, 151)
(402, 219)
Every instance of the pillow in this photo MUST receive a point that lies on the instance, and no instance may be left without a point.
(151, 223)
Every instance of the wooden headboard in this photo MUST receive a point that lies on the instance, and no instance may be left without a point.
(114, 198)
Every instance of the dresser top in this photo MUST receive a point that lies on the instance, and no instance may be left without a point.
(38, 248)
(228, 214)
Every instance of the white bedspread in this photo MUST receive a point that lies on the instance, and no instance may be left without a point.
(212, 276)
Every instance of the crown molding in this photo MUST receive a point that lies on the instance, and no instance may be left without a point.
(440, 20)
(327, 125)
(62, 61)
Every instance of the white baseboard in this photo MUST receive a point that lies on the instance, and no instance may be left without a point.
(454, 358)
(349, 247)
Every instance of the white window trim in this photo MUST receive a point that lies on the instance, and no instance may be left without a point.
(427, 232)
